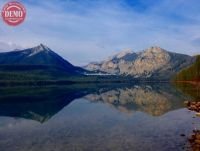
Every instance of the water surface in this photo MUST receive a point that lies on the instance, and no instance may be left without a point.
(97, 117)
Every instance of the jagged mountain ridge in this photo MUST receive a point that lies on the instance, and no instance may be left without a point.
(152, 62)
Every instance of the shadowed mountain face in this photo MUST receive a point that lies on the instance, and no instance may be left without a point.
(41, 104)
(153, 62)
(37, 56)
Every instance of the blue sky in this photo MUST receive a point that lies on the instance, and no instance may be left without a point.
(91, 30)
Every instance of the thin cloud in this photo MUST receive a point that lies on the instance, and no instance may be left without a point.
(5, 47)
(84, 31)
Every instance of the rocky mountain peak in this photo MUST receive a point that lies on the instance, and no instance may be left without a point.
(41, 47)
(39, 55)
(38, 49)
(155, 49)
(123, 53)
(153, 61)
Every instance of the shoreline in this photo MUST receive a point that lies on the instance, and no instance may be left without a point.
(197, 83)
(72, 82)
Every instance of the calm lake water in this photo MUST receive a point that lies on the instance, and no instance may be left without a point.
(139, 117)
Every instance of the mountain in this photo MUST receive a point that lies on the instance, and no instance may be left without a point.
(153, 62)
(39, 56)
(191, 73)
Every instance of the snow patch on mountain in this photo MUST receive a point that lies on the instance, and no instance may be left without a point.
(38, 49)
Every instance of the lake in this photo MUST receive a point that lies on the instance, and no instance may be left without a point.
(117, 117)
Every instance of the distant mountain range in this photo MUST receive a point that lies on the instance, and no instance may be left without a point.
(42, 63)
(153, 62)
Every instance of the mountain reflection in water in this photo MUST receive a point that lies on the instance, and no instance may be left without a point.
(96, 117)
(154, 100)
(41, 104)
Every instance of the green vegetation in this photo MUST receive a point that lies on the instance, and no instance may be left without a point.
(191, 73)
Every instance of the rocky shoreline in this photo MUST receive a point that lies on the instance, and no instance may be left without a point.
(194, 139)
(193, 106)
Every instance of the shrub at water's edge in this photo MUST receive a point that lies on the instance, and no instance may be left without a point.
(191, 73)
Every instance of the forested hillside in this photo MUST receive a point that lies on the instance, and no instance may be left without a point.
(191, 73)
